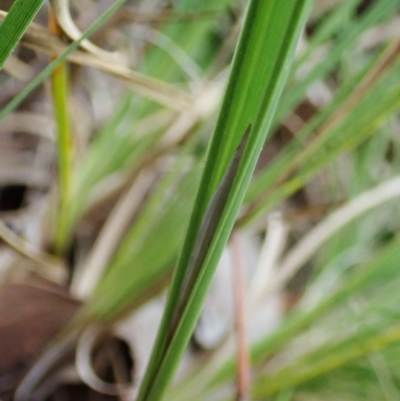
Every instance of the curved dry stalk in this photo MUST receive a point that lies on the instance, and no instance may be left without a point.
(83, 284)
(83, 363)
(312, 241)
(38, 38)
(64, 19)
(49, 266)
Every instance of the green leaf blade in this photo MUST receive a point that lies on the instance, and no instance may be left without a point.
(15, 24)
(260, 69)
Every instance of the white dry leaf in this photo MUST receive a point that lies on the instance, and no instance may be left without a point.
(64, 19)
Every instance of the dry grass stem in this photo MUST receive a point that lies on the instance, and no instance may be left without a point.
(315, 238)
(111, 234)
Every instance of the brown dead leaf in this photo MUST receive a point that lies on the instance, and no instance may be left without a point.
(31, 316)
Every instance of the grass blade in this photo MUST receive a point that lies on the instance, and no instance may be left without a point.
(18, 19)
(247, 100)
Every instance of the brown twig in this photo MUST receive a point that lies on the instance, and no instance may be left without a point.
(243, 364)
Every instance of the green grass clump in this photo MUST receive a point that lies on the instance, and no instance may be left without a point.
(316, 101)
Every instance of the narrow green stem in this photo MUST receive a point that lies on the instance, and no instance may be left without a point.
(64, 148)
(59, 81)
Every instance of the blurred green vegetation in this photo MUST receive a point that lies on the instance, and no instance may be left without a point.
(325, 135)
